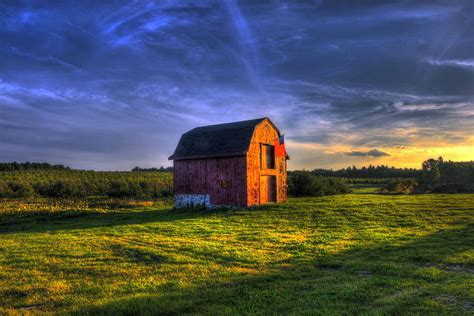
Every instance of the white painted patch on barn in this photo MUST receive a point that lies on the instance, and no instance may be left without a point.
(187, 200)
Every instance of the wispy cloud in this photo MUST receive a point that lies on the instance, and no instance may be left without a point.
(463, 63)
(245, 40)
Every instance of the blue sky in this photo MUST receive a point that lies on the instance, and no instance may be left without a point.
(113, 84)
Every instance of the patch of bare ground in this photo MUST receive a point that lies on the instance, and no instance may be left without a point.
(461, 268)
(467, 306)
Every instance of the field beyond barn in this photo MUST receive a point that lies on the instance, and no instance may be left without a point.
(353, 253)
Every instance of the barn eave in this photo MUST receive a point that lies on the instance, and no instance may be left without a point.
(173, 157)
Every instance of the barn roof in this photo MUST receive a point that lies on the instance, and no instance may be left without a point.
(230, 139)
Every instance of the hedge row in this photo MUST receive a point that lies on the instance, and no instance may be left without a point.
(22, 184)
(303, 183)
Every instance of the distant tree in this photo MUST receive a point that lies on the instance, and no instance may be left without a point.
(400, 186)
(5, 190)
(20, 189)
(431, 172)
(440, 176)
(64, 189)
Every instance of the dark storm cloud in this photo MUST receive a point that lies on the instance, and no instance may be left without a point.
(370, 153)
(108, 85)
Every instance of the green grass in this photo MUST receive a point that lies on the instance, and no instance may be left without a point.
(358, 253)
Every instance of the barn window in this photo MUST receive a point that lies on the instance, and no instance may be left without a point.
(268, 156)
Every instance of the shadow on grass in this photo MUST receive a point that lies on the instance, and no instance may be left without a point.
(68, 220)
(383, 279)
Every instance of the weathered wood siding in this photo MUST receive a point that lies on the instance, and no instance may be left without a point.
(264, 133)
(224, 179)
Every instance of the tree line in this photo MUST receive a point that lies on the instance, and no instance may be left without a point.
(369, 172)
(27, 166)
(161, 169)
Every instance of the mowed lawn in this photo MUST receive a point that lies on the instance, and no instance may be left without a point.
(358, 253)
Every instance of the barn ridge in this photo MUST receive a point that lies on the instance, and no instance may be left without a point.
(220, 140)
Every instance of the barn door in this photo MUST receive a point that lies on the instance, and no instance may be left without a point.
(267, 189)
(272, 196)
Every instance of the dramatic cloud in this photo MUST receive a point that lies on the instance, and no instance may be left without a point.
(110, 85)
(370, 153)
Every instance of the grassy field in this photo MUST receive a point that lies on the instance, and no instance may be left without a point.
(357, 253)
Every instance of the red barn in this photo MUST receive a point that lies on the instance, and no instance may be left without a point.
(233, 164)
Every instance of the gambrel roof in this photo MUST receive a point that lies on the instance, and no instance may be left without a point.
(222, 140)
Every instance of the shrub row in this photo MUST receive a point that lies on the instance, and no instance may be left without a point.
(71, 183)
(400, 186)
(303, 183)
(66, 189)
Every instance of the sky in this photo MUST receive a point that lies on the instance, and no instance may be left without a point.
(109, 85)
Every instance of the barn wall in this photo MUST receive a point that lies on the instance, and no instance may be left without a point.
(264, 133)
(223, 179)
